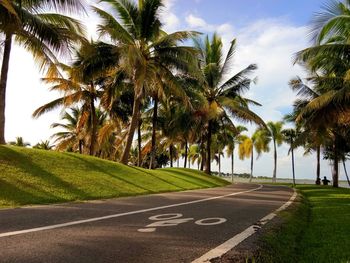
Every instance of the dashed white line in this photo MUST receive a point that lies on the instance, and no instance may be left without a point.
(72, 223)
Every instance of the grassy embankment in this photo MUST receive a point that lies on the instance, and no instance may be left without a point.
(29, 176)
(317, 230)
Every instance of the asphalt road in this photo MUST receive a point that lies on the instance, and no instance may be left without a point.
(173, 227)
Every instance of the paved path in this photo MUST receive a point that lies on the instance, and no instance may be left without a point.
(173, 227)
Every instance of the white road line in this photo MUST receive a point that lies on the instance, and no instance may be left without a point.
(20, 232)
(233, 242)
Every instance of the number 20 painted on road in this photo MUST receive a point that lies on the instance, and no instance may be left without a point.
(166, 220)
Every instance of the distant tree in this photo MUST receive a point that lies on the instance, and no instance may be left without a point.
(233, 140)
(19, 142)
(290, 136)
(260, 141)
(275, 133)
(43, 145)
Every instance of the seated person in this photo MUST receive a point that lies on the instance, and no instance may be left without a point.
(325, 181)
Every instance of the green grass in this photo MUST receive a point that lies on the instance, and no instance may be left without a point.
(29, 176)
(317, 230)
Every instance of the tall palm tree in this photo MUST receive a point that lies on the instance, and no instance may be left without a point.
(42, 33)
(311, 136)
(274, 130)
(259, 141)
(290, 136)
(233, 140)
(147, 54)
(222, 90)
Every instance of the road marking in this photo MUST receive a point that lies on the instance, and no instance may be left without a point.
(146, 230)
(84, 221)
(165, 217)
(233, 242)
(166, 220)
(212, 221)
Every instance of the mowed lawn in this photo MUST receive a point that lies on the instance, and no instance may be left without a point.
(30, 176)
(317, 230)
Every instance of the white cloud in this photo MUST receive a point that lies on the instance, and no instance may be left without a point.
(197, 22)
(271, 44)
(169, 18)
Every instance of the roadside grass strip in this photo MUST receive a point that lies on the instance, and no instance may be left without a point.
(317, 230)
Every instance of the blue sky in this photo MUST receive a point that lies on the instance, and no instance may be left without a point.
(268, 33)
(241, 13)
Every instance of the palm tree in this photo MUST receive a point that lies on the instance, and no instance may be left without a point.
(290, 137)
(71, 137)
(43, 145)
(93, 61)
(274, 131)
(330, 30)
(326, 110)
(194, 154)
(43, 34)
(311, 136)
(223, 92)
(233, 139)
(259, 140)
(329, 61)
(147, 54)
(19, 142)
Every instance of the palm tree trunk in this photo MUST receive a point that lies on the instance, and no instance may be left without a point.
(3, 84)
(293, 162)
(335, 170)
(232, 164)
(178, 162)
(186, 153)
(202, 153)
(154, 129)
(219, 164)
(318, 170)
(171, 155)
(132, 127)
(80, 146)
(346, 172)
(94, 120)
(274, 162)
(139, 142)
(208, 159)
(251, 166)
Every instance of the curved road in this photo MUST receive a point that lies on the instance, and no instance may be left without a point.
(172, 227)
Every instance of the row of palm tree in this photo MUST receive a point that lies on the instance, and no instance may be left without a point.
(321, 112)
(136, 77)
(179, 98)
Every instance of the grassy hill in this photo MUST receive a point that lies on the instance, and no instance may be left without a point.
(29, 176)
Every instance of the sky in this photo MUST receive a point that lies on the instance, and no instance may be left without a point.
(268, 33)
